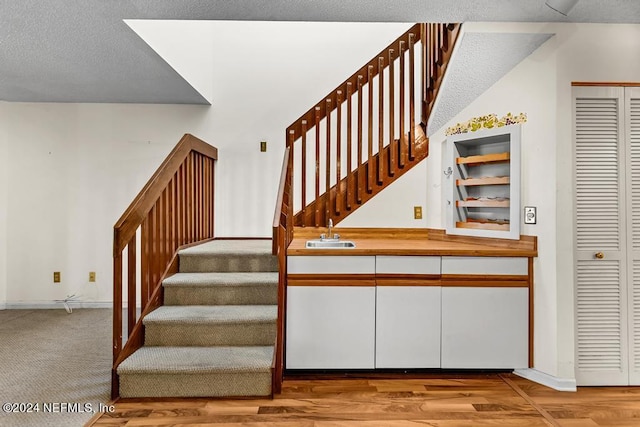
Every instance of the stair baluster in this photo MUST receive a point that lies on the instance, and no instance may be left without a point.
(392, 144)
(338, 150)
(327, 187)
(412, 96)
(303, 185)
(317, 205)
(379, 175)
(401, 145)
(349, 147)
(370, 129)
(360, 147)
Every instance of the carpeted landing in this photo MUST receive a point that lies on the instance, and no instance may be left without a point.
(215, 335)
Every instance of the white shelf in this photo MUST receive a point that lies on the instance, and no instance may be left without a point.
(482, 190)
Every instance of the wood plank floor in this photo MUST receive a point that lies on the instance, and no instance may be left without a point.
(443, 401)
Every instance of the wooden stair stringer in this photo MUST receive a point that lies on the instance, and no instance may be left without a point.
(308, 217)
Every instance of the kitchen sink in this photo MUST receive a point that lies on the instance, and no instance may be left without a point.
(330, 244)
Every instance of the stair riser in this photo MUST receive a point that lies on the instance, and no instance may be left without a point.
(185, 335)
(204, 263)
(221, 295)
(237, 384)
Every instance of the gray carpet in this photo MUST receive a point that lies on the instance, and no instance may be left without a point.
(215, 335)
(51, 356)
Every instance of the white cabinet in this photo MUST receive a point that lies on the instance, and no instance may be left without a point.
(405, 319)
(330, 327)
(408, 326)
(407, 312)
(485, 328)
(482, 183)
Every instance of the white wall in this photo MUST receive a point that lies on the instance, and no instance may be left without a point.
(541, 87)
(3, 206)
(73, 168)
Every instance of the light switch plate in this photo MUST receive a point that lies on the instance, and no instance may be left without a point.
(530, 215)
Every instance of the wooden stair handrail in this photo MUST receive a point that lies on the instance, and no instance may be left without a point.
(310, 115)
(280, 200)
(133, 216)
(174, 209)
(282, 236)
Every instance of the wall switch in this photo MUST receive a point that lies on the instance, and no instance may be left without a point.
(530, 215)
(263, 146)
(56, 277)
(417, 212)
(92, 276)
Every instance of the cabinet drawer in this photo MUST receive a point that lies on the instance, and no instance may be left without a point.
(485, 265)
(331, 265)
(407, 264)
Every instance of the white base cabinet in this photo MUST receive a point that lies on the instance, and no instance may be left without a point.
(402, 320)
(331, 327)
(485, 328)
(408, 326)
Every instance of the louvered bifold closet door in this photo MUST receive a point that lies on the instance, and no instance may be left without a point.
(632, 133)
(601, 300)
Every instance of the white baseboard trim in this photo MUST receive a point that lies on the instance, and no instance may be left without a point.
(560, 384)
(3, 306)
(49, 305)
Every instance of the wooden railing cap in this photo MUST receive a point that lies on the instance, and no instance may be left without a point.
(126, 226)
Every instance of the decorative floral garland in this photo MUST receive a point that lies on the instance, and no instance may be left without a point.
(487, 122)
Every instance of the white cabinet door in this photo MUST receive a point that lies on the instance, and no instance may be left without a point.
(330, 327)
(408, 327)
(485, 328)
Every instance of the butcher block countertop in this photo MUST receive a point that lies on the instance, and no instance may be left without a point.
(405, 241)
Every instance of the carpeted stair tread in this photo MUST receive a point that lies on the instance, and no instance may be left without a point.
(224, 247)
(198, 360)
(242, 278)
(206, 314)
(214, 335)
(229, 256)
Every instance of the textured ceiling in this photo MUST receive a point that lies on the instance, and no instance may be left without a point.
(82, 51)
(484, 54)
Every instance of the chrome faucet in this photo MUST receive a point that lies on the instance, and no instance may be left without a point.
(329, 235)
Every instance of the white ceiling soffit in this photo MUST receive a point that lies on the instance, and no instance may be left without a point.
(187, 46)
(480, 61)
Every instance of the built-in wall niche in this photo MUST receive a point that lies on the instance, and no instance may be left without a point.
(482, 183)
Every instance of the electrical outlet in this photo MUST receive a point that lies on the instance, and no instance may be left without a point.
(263, 146)
(92, 276)
(56, 277)
(417, 212)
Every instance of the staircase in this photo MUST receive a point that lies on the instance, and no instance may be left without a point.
(370, 130)
(213, 315)
(357, 140)
(215, 333)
